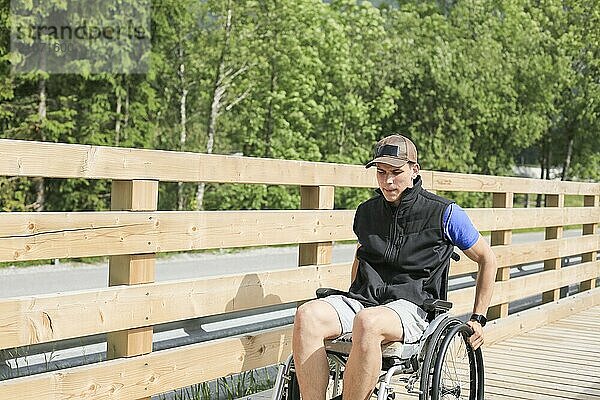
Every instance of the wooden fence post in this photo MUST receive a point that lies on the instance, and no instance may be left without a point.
(589, 229)
(132, 269)
(553, 232)
(498, 238)
(316, 198)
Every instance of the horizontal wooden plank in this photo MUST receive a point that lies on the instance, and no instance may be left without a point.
(162, 371)
(28, 158)
(166, 370)
(44, 318)
(37, 319)
(30, 236)
(25, 158)
(525, 286)
(154, 373)
(525, 253)
(528, 320)
(529, 285)
(492, 219)
(485, 183)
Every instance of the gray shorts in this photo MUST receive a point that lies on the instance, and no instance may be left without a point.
(412, 317)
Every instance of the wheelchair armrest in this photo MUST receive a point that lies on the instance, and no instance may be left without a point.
(324, 292)
(430, 305)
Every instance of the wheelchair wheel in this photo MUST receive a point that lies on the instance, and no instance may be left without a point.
(292, 389)
(458, 370)
(337, 363)
(427, 362)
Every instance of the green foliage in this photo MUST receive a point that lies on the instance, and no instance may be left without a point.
(477, 85)
(350, 198)
(251, 197)
(15, 194)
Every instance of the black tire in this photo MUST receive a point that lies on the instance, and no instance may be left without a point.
(458, 370)
(428, 359)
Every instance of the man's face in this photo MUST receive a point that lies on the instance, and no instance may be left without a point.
(394, 180)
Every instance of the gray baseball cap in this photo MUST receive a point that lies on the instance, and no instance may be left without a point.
(395, 150)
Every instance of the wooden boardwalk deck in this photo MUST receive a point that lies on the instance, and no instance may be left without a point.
(557, 361)
(560, 360)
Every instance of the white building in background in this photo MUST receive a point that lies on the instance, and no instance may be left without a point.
(534, 172)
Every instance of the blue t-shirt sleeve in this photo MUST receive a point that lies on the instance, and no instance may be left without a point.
(458, 227)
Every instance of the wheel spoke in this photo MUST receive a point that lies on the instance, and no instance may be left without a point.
(455, 369)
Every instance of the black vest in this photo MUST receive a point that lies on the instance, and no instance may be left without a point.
(404, 253)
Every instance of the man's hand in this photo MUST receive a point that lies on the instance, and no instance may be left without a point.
(476, 339)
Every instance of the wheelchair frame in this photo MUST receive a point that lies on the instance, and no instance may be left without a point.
(423, 362)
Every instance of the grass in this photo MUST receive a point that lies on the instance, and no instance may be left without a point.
(225, 388)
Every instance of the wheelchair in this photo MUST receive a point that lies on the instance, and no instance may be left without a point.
(441, 365)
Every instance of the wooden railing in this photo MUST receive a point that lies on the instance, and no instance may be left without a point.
(133, 232)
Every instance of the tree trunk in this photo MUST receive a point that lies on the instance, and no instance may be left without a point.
(126, 114)
(269, 120)
(40, 187)
(182, 119)
(548, 159)
(342, 137)
(118, 116)
(42, 108)
(219, 88)
(538, 200)
(567, 162)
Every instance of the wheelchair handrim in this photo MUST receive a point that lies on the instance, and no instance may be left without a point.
(475, 359)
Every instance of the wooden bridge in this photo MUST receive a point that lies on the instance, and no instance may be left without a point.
(549, 351)
(560, 360)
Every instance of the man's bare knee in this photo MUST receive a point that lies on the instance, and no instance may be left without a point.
(317, 319)
(375, 326)
(308, 317)
(365, 327)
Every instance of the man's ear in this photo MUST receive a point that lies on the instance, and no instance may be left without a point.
(415, 170)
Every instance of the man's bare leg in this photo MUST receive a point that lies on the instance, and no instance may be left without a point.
(372, 327)
(314, 321)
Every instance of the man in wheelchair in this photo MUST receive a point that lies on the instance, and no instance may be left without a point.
(406, 238)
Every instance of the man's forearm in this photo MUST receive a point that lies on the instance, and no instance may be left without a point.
(484, 288)
(483, 255)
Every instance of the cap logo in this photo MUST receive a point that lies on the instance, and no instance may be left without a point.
(389, 150)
